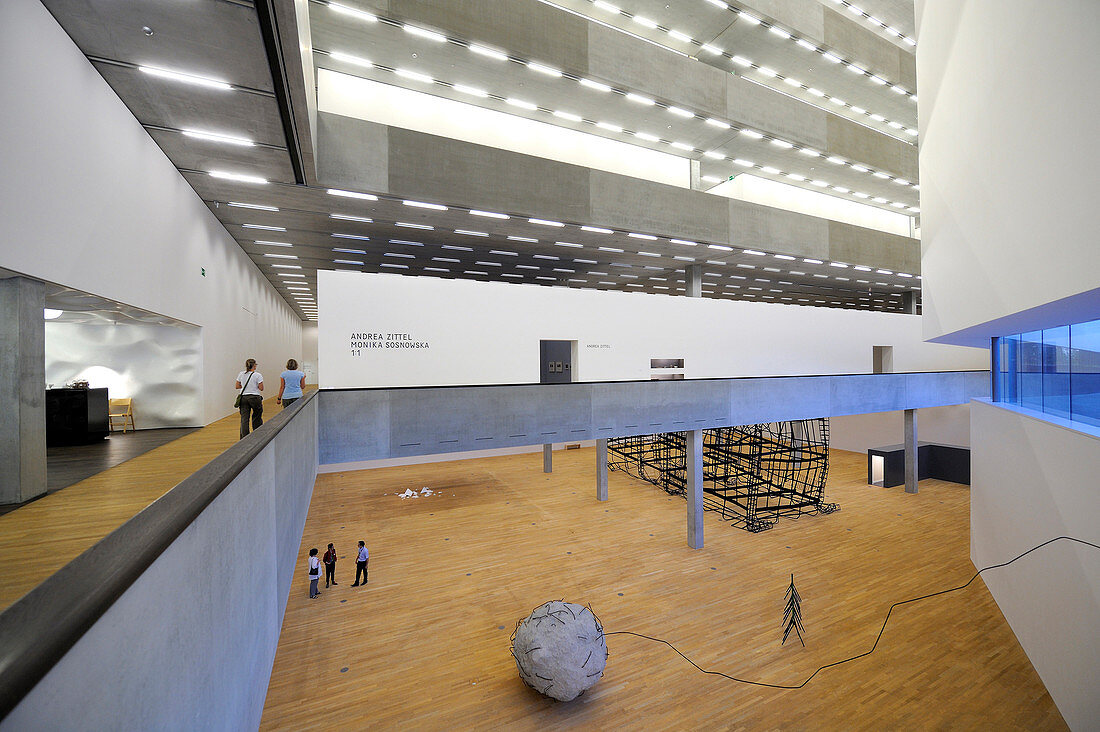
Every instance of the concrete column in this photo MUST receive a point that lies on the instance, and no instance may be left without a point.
(911, 451)
(548, 458)
(696, 175)
(601, 470)
(693, 447)
(909, 302)
(693, 280)
(22, 390)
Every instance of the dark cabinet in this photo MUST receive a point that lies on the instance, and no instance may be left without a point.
(75, 416)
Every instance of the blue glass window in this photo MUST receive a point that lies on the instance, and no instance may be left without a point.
(1056, 371)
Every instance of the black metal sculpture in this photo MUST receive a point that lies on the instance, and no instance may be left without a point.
(792, 615)
(753, 475)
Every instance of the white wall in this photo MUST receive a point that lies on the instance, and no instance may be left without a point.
(766, 192)
(158, 366)
(1008, 161)
(860, 432)
(89, 201)
(352, 96)
(1033, 481)
(489, 332)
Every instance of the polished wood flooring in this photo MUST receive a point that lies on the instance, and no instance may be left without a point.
(44, 535)
(425, 645)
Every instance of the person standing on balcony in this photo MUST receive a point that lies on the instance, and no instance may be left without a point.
(251, 385)
(290, 384)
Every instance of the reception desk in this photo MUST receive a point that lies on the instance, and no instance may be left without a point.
(75, 416)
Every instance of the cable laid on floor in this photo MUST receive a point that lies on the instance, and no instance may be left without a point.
(880, 632)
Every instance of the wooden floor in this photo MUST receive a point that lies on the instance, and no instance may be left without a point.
(425, 645)
(41, 537)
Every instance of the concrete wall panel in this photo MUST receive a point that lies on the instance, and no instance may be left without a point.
(352, 153)
(761, 227)
(857, 245)
(638, 205)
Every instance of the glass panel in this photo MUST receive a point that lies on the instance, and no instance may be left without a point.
(1056, 378)
(1009, 356)
(1030, 366)
(1085, 365)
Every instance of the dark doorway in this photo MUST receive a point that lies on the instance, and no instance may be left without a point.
(555, 362)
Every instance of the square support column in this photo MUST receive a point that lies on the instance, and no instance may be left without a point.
(911, 471)
(601, 470)
(22, 390)
(693, 280)
(693, 487)
(548, 458)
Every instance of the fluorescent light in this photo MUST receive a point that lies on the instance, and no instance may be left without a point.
(792, 82)
(838, 264)
(819, 183)
(720, 247)
(809, 151)
(400, 255)
(521, 104)
(753, 252)
(711, 49)
(503, 253)
(779, 32)
(647, 237)
(813, 261)
(718, 123)
(406, 225)
(349, 251)
(680, 36)
(750, 19)
(857, 194)
(290, 274)
(901, 181)
(472, 91)
(597, 230)
(347, 217)
(831, 58)
(186, 78)
(684, 242)
(880, 174)
(751, 133)
(256, 206)
(567, 115)
(741, 61)
(835, 160)
(358, 237)
(353, 12)
(595, 85)
(348, 58)
(489, 214)
(609, 127)
(213, 137)
(347, 261)
(781, 143)
(878, 118)
(424, 33)
(878, 80)
(643, 21)
(421, 204)
(796, 176)
(806, 44)
(786, 257)
(239, 177)
(681, 112)
(714, 155)
(414, 75)
(647, 136)
(683, 146)
(352, 194)
(855, 69)
(639, 99)
(861, 268)
(489, 52)
(467, 232)
(606, 6)
(545, 222)
(265, 243)
(771, 170)
(264, 227)
(858, 110)
(841, 189)
(568, 244)
(744, 163)
(523, 238)
(854, 10)
(898, 90)
(611, 249)
(839, 102)
(767, 72)
(543, 69)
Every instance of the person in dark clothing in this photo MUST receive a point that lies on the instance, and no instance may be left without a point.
(361, 564)
(330, 566)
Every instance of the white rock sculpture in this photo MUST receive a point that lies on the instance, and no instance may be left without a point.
(560, 649)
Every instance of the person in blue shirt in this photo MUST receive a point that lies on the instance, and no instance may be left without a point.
(290, 384)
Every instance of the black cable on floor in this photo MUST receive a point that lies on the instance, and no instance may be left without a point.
(880, 632)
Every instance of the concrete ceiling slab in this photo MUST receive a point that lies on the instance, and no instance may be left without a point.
(191, 154)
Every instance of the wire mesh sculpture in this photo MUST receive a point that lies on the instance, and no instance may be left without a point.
(792, 615)
(752, 475)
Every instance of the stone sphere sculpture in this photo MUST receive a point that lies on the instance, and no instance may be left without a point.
(560, 649)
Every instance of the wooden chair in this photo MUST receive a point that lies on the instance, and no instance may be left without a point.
(121, 410)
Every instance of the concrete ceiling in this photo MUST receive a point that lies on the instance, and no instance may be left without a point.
(222, 39)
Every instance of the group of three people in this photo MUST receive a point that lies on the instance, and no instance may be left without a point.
(250, 382)
(329, 561)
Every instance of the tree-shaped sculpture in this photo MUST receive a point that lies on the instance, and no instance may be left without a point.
(792, 616)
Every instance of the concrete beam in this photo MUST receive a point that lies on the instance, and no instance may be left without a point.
(22, 390)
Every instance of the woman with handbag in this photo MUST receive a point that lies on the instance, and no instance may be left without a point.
(250, 399)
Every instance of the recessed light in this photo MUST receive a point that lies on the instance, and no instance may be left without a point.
(354, 12)
(471, 233)
(256, 206)
(352, 194)
(488, 52)
(414, 75)
(265, 243)
(472, 91)
(360, 237)
(684, 242)
(522, 104)
(681, 112)
(567, 115)
(239, 177)
(349, 217)
(186, 78)
(545, 222)
(349, 251)
(639, 99)
(407, 225)
(741, 61)
(348, 58)
(424, 33)
(595, 85)
(523, 238)
(597, 230)
(264, 227)
(647, 137)
(347, 261)
(421, 204)
(609, 127)
(543, 69)
(214, 137)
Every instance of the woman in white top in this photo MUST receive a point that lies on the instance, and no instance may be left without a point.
(250, 382)
(314, 573)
